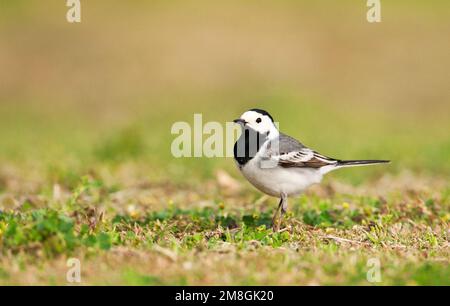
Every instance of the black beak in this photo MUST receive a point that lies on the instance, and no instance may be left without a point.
(240, 121)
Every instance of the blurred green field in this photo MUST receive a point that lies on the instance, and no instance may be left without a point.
(96, 100)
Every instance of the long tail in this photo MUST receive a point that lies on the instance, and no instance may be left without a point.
(352, 163)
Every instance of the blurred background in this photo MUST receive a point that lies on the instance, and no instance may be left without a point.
(100, 96)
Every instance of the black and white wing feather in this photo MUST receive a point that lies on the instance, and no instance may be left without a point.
(289, 152)
(305, 158)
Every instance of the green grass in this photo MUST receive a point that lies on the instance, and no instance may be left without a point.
(408, 234)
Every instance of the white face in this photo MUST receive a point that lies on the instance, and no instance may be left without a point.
(258, 122)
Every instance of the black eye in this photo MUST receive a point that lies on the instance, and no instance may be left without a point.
(258, 120)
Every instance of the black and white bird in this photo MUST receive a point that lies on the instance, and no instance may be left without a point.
(279, 165)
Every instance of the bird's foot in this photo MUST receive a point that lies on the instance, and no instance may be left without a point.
(275, 227)
(276, 224)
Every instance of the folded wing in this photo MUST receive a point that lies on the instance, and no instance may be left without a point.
(289, 152)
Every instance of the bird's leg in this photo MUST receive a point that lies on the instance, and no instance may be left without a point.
(274, 218)
(284, 206)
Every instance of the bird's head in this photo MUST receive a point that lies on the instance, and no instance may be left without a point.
(258, 120)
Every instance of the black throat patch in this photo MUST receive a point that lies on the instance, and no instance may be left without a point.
(248, 145)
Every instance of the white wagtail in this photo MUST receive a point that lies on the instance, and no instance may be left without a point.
(277, 164)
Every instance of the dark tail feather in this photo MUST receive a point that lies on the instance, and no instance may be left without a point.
(349, 163)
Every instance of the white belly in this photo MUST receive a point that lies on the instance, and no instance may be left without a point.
(274, 181)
